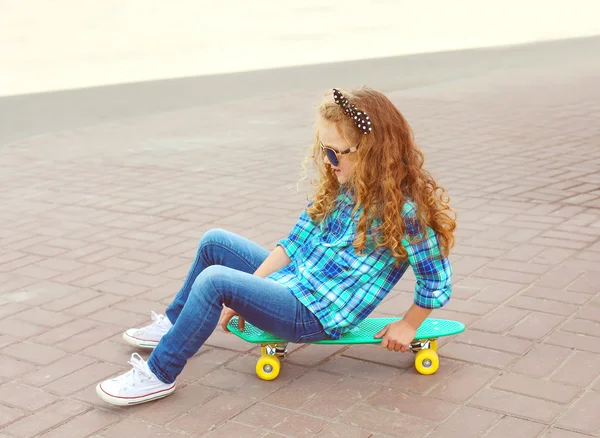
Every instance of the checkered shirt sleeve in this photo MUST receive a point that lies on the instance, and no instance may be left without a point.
(302, 231)
(433, 273)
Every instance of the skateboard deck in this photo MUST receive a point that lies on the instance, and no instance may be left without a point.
(424, 344)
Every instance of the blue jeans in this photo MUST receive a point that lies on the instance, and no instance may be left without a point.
(222, 275)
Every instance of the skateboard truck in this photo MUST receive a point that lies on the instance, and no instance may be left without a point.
(422, 344)
(279, 350)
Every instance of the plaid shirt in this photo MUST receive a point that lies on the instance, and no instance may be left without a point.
(342, 288)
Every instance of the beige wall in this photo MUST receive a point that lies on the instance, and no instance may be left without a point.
(61, 44)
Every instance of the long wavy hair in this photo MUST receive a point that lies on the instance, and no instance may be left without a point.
(388, 171)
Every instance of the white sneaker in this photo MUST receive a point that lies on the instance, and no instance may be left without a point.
(139, 385)
(149, 336)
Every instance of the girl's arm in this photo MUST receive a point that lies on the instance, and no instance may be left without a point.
(277, 260)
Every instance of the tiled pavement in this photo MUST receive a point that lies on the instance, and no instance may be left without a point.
(98, 226)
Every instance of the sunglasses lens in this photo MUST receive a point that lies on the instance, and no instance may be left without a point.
(332, 157)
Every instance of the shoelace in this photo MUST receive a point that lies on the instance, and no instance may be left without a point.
(139, 369)
(157, 318)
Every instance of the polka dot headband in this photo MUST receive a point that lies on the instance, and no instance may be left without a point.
(361, 119)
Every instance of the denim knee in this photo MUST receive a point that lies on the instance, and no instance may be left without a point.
(213, 235)
(210, 278)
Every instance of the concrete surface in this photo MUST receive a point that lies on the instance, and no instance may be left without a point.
(64, 44)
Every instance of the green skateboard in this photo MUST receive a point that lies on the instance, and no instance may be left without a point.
(424, 344)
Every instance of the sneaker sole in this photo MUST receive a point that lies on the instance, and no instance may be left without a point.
(129, 401)
(150, 345)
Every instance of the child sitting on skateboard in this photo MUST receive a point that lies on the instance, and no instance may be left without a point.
(375, 213)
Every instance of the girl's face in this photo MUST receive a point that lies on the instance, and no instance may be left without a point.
(329, 138)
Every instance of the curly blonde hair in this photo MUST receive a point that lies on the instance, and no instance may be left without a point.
(388, 171)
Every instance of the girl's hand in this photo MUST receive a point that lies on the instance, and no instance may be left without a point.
(226, 316)
(397, 336)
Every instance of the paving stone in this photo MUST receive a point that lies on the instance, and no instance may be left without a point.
(64, 332)
(517, 405)
(412, 404)
(588, 283)
(94, 305)
(516, 428)
(360, 369)
(179, 403)
(204, 363)
(25, 397)
(542, 305)
(117, 353)
(379, 355)
(71, 300)
(56, 370)
(336, 430)
(556, 432)
(87, 338)
(133, 428)
(338, 398)
(34, 353)
(476, 355)
(312, 355)
(45, 418)
(139, 279)
(464, 383)
(536, 326)
(589, 312)
(19, 329)
(231, 429)
(583, 415)
(304, 389)
(544, 389)
(11, 368)
(581, 369)
(550, 293)
(116, 287)
(43, 317)
(495, 341)
(8, 415)
(45, 292)
(140, 306)
(217, 410)
(573, 340)
(289, 422)
(115, 316)
(387, 422)
(541, 361)
(83, 377)
(467, 422)
(415, 382)
(501, 320)
(582, 326)
(11, 308)
(84, 425)
(249, 384)
(6, 340)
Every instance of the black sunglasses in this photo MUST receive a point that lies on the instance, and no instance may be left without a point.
(333, 155)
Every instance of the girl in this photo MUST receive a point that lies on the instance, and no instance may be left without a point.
(376, 212)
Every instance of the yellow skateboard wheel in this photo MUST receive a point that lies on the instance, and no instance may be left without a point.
(427, 361)
(267, 367)
(433, 345)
